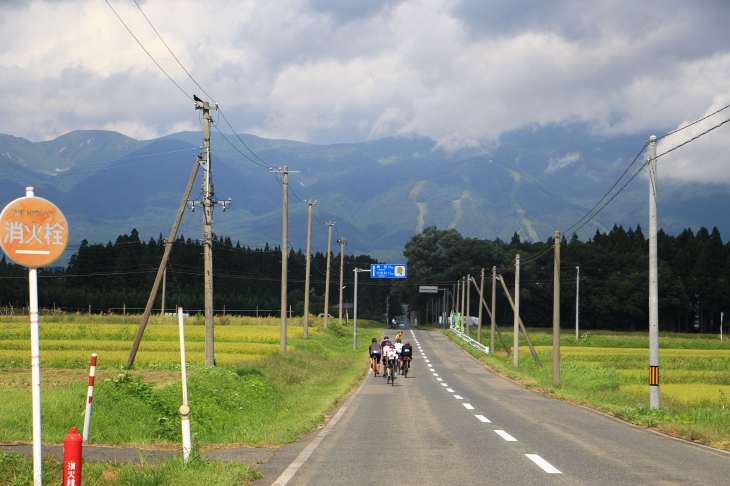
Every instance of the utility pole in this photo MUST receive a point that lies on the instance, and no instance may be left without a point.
(463, 298)
(284, 254)
(342, 242)
(653, 284)
(577, 299)
(309, 262)
(494, 308)
(479, 324)
(163, 265)
(516, 340)
(330, 224)
(208, 203)
(467, 284)
(556, 311)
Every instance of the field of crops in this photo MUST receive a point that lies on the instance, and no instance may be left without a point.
(69, 345)
(610, 371)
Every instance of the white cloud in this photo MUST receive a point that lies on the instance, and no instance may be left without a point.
(330, 71)
(555, 164)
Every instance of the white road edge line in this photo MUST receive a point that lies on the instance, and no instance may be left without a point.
(505, 436)
(544, 465)
(483, 419)
(304, 455)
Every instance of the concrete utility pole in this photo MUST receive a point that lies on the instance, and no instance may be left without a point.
(284, 256)
(342, 242)
(309, 262)
(577, 299)
(467, 284)
(516, 340)
(556, 311)
(462, 283)
(494, 309)
(330, 224)
(653, 284)
(479, 317)
(208, 203)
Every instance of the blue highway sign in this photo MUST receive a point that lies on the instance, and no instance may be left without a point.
(387, 270)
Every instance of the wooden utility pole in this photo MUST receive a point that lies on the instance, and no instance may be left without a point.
(163, 265)
(479, 317)
(309, 263)
(342, 242)
(556, 311)
(516, 340)
(330, 224)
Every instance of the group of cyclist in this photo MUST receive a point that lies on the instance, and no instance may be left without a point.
(394, 355)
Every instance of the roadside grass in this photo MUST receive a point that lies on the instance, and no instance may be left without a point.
(17, 470)
(609, 371)
(255, 396)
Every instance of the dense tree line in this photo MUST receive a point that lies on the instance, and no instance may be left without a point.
(614, 277)
(120, 275)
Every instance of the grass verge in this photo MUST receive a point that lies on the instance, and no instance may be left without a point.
(609, 371)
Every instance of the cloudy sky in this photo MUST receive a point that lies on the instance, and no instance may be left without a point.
(327, 71)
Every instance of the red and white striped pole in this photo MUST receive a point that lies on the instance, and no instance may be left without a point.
(89, 397)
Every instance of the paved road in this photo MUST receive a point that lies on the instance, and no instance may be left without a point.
(452, 421)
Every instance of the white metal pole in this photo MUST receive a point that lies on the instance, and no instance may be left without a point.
(35, 368)
(184, 408)
(89, 397)
(653, 283)
(722, 314)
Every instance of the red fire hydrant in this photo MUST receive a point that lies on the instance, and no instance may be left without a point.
(72, 458)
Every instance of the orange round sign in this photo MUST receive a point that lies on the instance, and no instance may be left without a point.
(33, 232)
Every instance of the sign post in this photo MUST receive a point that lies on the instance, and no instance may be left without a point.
(33, 233)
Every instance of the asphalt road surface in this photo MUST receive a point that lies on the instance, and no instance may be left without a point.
(452, 421)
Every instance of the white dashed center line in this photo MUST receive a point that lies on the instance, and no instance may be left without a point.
(505, 436)
(458, 397)
(450, 390)
(544, 465)
(483, 419)
(467, 406)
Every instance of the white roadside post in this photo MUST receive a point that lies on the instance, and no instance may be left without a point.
(34, 234)
(89, 397)
(184, 408)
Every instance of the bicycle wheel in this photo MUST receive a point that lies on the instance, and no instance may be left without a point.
(406, 365)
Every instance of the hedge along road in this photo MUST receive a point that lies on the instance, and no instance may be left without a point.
(453, 421)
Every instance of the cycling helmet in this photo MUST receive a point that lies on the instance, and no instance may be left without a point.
(397, 340)
(408, 344)
(385, 338)
(375, 340)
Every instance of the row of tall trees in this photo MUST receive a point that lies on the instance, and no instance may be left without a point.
(614, 277)
(119, 275)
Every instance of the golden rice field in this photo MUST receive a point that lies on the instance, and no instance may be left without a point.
(65, 345)
(686, 375)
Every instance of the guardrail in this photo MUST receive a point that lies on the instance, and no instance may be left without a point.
(469, 340)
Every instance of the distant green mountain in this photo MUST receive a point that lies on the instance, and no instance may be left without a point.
(379, 193)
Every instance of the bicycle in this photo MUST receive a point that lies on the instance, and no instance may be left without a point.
(390, 372)
(374, 365)
(405, 364)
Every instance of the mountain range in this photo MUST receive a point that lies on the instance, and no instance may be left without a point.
(379, 193)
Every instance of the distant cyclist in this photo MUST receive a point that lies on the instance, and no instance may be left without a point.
(406, 354)
(391, 359)
(375, 352)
